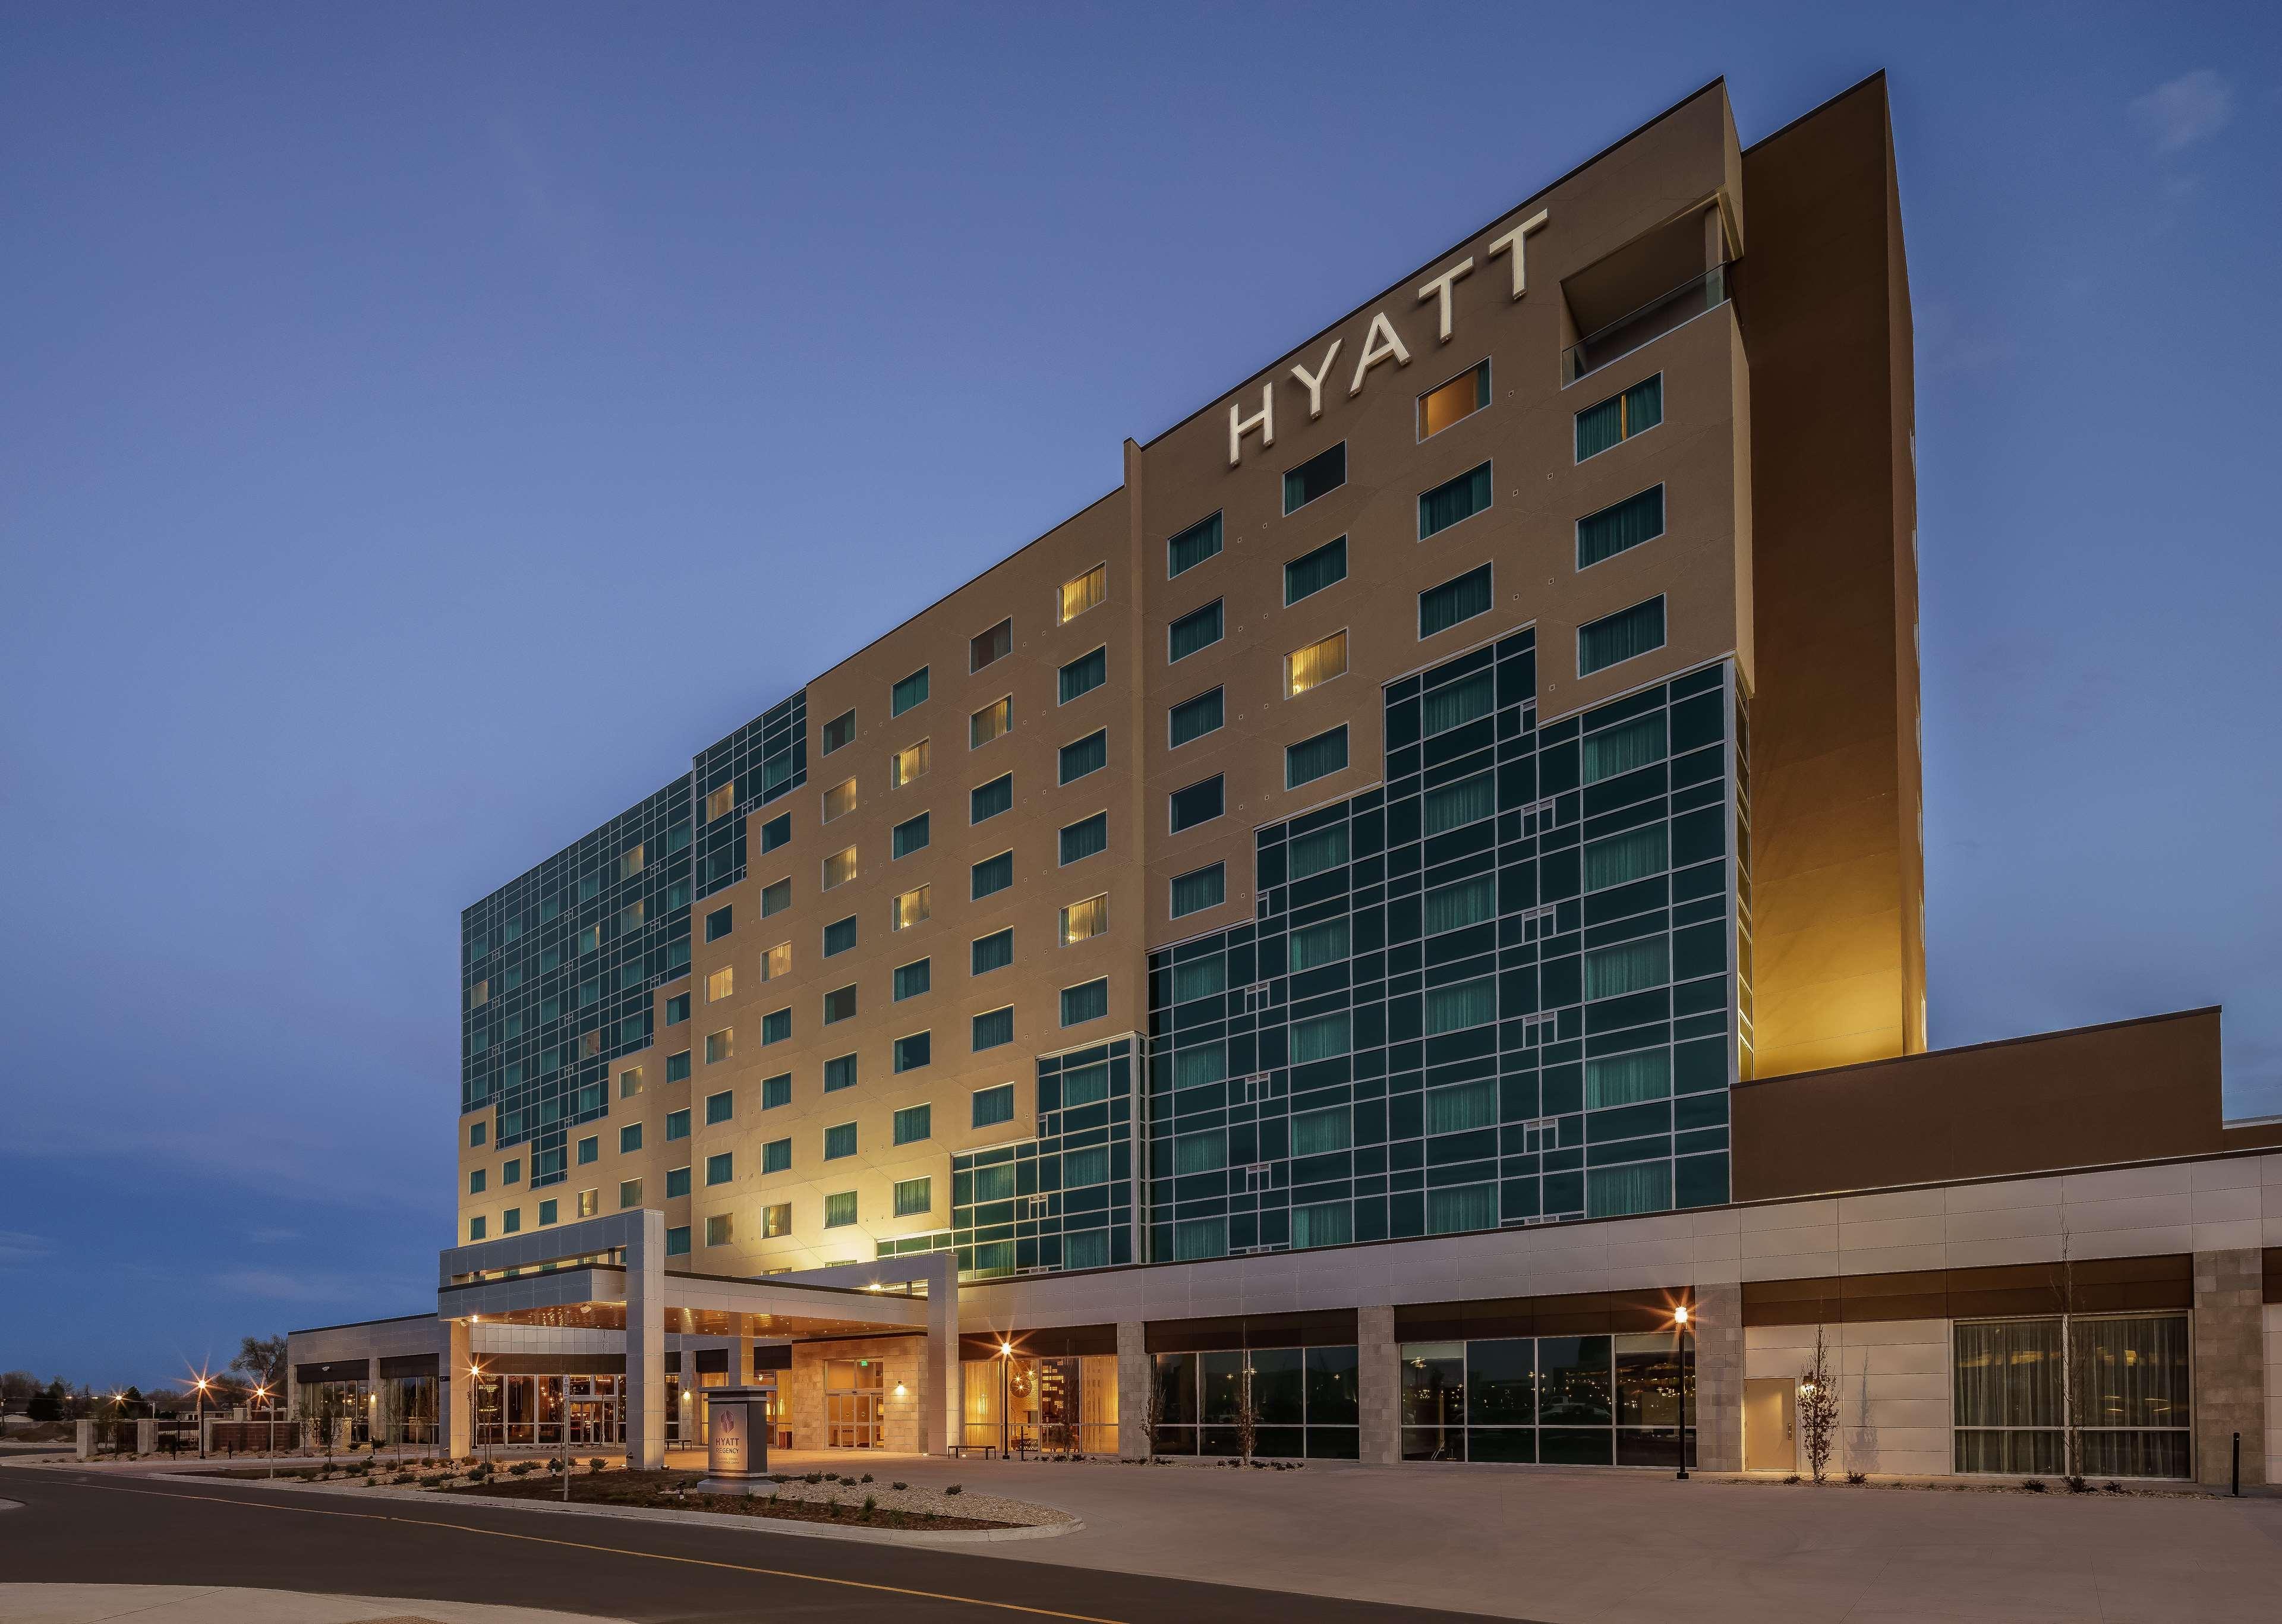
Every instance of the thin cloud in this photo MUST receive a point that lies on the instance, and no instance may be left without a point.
(17, 1247)
(2191, 108)
(281, 1287)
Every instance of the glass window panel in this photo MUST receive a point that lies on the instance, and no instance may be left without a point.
(1453, 602)
(1084, 674)
(991, 874)
(1459, 398)
(1458, 703)
(1621, 526)
(1198, 1237)
(992, 952)
(1206, 888)
(1457, 498)
(1617, 638)
(1468, 1207)
(1197, 803)
(1321, 1039)
(1627, 1079)
(1206, 1063)
(1084, 591)
(1090, 1166)
(1089, 1002)
(1469, 1004)
(992, 721)
(1469, 901)
(1316, 1132)
(911, 835)
(1323, 1224)
(993, 1106)
(1502, 1382)
(1318, 476)
(1452, 806)
(1082, 840)
(1315, 664)
(1311, 572)
(1085, 1084)
(1316, 944)
(1200, 1152)
(908, 692)
(1622, 749)
(1458, 1107)
(1311, 854)
(1087, 754)
(1317, 757)
(908, 763)
(1198, 629)
(1627, 966)
(914, 1123)
(1199, 978)
(1620, 858)
(1194, 544)
(1574, 1384)
(1612, 1192)
(993, 1028)
(1192, 718)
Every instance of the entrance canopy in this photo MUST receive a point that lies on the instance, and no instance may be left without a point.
(593, 1295)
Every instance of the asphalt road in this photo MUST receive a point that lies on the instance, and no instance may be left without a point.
(87, 1527)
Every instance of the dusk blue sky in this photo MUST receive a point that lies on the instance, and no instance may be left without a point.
(423, 428)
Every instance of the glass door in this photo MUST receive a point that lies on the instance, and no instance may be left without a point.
(851, 1403)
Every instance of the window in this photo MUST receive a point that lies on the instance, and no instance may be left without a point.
(1468, 1207)
(1323, 1224)
(992, 873)
(1083, 592)
(1310, 573)
(777, 897)
(1453, 1009)
(776, 1026)
(1627, 966)
(776, 1090)
(630, 916)
(1627, 1079)
(1452, 806)
(2124, 1379)
(1620, 526)
(839, 1073)
(677, 1009)
(677, 1241)
(1200, 1152)
(1311, 854)
(989, 800)
(995, 644)
(511, 1221)
(839, 731)
(476, 1227)
(1082, 920)
(1621, 749)
(1457, 703)
(839, 936)
(1321, 1039)
(840, 868)
(1192, 718)
(1453, 401)
(915, 978)
(840, 800)
(1198, 629)
(1084, 674)
(907, 763)
(719, 801)
(677, 1183)
(911, 835)
(1315, 1133)
(1315, 664)
(994, 951)
(1084, 839)
(915, 1052)
(1442, 607)
(1458, 499)
(993, 1028)
(1195, 1067)
(716, 924)
(993, 1106)
(990, 722)
(630, 1139)
(478, 1132)
(1201, 889)
(910, 908)
(911, 691)
(1201, 1238)
(840, 1209)
(777, 961)
(1087, 1002)
(720, 1229)
(630, 1192)
(1614, 638)
(776, 1222)
(914, 1123)
(1619, 417)
(1619, 860)
(1318, 476)
(1317, 757)
(476, 1180)
(1194, 544)
(1323, 944)
(1085, 1085)
(776, 831)
(839, 1141)
(1089, 754)
(839, 1005)
(1090, 1166)
(721, 1169)
(914, 1195)
(1453, 907)
(721, 983)
(720, 1107)
(676, 1067)
(1196, 804)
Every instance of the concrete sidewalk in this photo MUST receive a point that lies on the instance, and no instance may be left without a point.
(167, 1603)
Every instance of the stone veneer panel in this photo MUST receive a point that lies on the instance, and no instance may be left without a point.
(1379, 1386)
(801, 1389)
(1133, 1382)
(2230, 1374)
(1717, 1411)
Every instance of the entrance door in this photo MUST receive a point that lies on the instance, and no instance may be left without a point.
(1771, 1425)
(851, 1403)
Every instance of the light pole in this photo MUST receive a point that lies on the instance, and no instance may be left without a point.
(475, 1408)
(1679, 1325)
(201, 1384)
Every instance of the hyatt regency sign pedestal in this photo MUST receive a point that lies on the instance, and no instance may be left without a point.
(737, 1431)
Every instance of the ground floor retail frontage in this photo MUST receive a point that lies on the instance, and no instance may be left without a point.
(2122, 1322)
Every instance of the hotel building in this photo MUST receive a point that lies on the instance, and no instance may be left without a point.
(1362, 924)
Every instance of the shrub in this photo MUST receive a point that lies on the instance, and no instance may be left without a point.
(2035, 1485)
(907, 1485)
(519, 1468)
(867, 1477)
(832, 1507)
(2077, 1485)
(813, 1476)
(1858, 1478)
(871, 1503)
(595, 1465)
(2113, 1487)
(1793, 1478)
(955, 1489)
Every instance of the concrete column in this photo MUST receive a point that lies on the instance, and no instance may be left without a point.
(940, 1394)
(84, 1438)
(373, 1412)
(1379, 1386)
(459, 1408)
(1717, 1411)
(741, 1374)
(2230, 1375)
(1135, 1375)
(146, 1435)
(645, 1342)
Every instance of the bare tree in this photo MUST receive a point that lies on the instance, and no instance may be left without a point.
(261, 1359)
(17, 1389)
(1152, 1411)
(1818, 1407)
(1247, 1415)
(2071, 1397)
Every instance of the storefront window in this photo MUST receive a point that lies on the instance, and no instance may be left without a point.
(1560, 1400)
(1303, 1403)
(2118, 1382)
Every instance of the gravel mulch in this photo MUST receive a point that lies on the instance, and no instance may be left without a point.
(912, 1508)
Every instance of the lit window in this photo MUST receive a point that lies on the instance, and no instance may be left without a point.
(718, 802)
(1197, 803)
(993, 1106)
(1616, 638)
(838, 937)
(911, 908)
(1198, 629)
(995, 644)
(1459, 398)
(630, 863)
(839, 799)
(911, 691)
(909, 835)
(907, 763)
(839, 731)
(1084, 591)
(990, 722)
(1317, 757)
(776, 1222)
(1085, 918)
(1194, 544)
(1089, 1002)
(630, 916)
(630, 1192)
(720, 1045)
(777, 961)
(840, 1209)
(839, 869)
(839, 1005)
(1089, 754)
(1318, 476)
(1206, 888)
(1442, 607)
(1082, 840)
(720, 984)
(1315, 664)
(913, 1196)
(720, 1229)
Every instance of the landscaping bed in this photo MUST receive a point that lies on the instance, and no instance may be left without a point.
(793, 1499)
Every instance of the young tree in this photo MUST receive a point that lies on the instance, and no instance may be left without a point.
(261, 1359)
(1152, 1411)
(1818, 1407)
(1247, 1415)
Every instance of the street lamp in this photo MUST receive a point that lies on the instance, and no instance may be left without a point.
(1679, 1324)
(475, 1376)
(201, 1384)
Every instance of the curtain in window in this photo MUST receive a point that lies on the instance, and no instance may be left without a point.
(1206, 888)
(1199, 978)
(1085, 1085)
(1090, 1166)
(1467, 902)
(1633, 855)
(1192, 546)
(994, 1027)
(1314, 1133)
(995, 1184)
(2007, 1375)
(1446, 504)
(1452, 1009)
(1459, 704)
(1087, 754)
(1612, 1191)
(1627, 1079)
(1326, 1223)
(1600, 427)
(1192, 718)
(1643, 406)
(1441, 607)
(2130, 1373)
(1087, 1249)
(1470, 800)
(1626, 524)
(1090, 1002)
(1192, 631)
(1313, 758)
(1449, 1212)
(1194, 1067)
(1201, 1238)
(1321, 1039)
(1313, 853)
(1619, 637)
(1082, 840)
(1200, 1152)
(1315, 664)
(1319, 945)
(1461, 1106)
(1629, 967)
(1310, 574)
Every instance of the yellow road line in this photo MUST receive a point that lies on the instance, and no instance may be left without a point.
(622, 1550)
